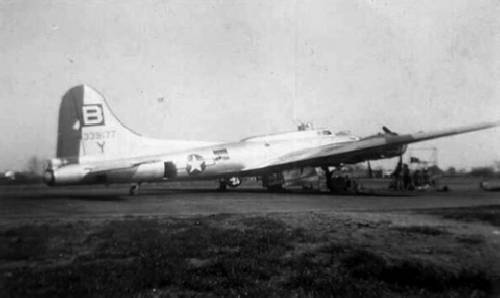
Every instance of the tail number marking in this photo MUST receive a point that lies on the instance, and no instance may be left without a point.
(98, 135)
(92, 115)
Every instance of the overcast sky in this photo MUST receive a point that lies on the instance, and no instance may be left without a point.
(230, 69)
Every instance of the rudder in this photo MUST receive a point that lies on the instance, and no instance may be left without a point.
(69, 133)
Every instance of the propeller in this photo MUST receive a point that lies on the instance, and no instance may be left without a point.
(388, 131)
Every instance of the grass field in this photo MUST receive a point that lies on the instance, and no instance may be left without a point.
(192, 241)
(226, 255)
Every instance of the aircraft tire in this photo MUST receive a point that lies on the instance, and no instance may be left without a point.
(134, 190)
(222, 186)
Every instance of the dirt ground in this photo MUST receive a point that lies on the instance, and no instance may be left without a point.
(193, 241)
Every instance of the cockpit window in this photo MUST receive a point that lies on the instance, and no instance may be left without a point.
(326, 133)
(343, 133)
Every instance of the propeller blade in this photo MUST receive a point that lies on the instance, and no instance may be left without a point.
(388, 131)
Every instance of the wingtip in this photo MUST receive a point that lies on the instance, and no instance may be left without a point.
(493, 123)
(489, 124)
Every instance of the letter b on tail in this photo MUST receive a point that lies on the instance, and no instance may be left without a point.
(92, 115)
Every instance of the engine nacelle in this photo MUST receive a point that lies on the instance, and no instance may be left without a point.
(394, 152)
(383, 153)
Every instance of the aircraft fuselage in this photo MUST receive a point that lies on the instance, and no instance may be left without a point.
(94, 147)
(222, 160)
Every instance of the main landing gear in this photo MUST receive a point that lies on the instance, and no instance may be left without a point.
(222, 185)
(329, 179)
(232, 182)
(273, 182)
(134, 189)
(340, 184)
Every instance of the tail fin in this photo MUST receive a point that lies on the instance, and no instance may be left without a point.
(89, 131)
(88, 128)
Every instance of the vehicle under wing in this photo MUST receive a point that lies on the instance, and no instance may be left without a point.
(369, 148)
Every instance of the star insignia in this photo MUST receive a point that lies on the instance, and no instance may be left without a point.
(195, 164)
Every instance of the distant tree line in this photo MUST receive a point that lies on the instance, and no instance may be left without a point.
(484, 171)
(32, 173)
(35, 167)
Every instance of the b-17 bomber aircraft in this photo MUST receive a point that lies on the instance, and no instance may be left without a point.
(94, 147)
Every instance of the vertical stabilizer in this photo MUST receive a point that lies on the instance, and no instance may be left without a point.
(89, 131)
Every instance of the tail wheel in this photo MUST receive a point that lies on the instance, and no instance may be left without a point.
(134, 189)
(48, 177)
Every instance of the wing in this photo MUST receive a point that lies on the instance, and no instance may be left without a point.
(373, 147)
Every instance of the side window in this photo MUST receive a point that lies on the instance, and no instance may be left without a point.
(170, 170)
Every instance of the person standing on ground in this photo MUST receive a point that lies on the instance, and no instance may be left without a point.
(406, 177)
(396, 175)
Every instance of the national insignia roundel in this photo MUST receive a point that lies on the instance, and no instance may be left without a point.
(195, 164)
